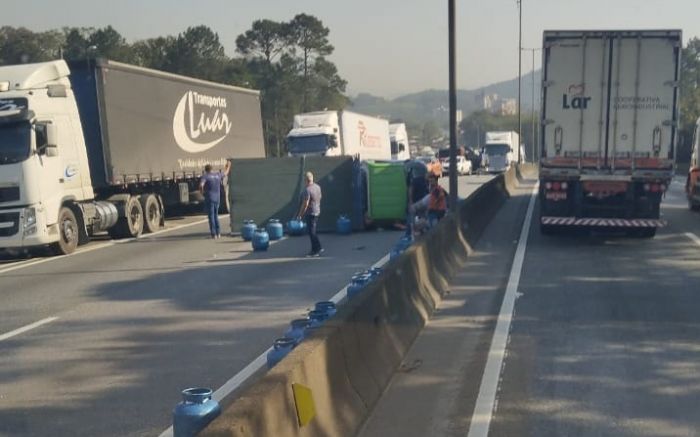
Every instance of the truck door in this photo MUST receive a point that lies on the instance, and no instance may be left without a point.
(643, 89)
(575, 101)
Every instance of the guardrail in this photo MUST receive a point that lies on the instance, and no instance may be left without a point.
(330, 382)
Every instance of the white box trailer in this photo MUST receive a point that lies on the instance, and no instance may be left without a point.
(398, 135)
(609, 127)
(339, 133)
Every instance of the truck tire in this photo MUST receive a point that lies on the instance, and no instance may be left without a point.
(152, 212)
(68, 231)
(131, 225)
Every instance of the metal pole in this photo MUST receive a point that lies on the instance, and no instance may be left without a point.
(520, 45)
(453, 105)
(533, 106)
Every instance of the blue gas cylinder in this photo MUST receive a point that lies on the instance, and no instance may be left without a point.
(357, 283)
(327, 307)
(261, 240)
(403, 244)
(275, 229)
(296, 227)
(248, 229)
(374, 271)
(316, 318)
(343, 225)
(280, 348)
(297, 329)
(195, 412)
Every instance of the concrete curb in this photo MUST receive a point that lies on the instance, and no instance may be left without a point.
(348, 363)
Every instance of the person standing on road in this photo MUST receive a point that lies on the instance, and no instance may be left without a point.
(210, 188)
(310, 209)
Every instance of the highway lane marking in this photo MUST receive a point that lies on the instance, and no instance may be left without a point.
(486, 401)
(261, 360)
(27, 328)
(99, 246)
(694, 238)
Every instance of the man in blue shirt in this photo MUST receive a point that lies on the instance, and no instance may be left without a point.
(310, 209)
(210, 187)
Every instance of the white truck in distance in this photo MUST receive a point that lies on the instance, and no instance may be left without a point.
(609, 128)
(339, 133)
(500, 151)
(399, 142)
(98, 145)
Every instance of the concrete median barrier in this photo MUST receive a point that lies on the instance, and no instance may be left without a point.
(348, 362)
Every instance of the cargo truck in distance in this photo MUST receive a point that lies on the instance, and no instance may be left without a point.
(609, 128)
(339, 133)
(500, 151)
(399, 142)
(104, 146)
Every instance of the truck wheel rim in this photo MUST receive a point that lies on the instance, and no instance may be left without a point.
(152, 213)
(69, 230)
(135, 217)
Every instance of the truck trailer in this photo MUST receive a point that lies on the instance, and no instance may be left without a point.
(692, 184)
(98, 145)
(339, 133)
(609, 120)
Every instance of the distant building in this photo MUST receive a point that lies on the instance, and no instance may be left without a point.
(509, 107)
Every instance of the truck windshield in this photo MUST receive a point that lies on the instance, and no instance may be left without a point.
(311, 145)
(14, 142)
(496, 149)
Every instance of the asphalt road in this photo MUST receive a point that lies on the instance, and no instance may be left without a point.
(110, 335)
(604, 338)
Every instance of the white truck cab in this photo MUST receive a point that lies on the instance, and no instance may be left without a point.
(43, 160)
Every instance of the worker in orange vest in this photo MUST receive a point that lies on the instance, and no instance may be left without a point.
(434, 204)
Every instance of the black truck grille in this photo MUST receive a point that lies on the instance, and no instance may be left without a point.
(9, 224)
(9, 194)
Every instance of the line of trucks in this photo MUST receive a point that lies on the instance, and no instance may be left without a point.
(96, 145)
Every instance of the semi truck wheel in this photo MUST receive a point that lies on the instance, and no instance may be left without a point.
(152, 213)
(644, 233)
(131, 225)
(68, 232)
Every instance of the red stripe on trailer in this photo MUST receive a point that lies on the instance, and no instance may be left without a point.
(615, 223)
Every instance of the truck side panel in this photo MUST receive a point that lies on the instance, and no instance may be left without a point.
(366, 136)
(155, 126)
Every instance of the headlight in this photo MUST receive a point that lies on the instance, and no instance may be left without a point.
(29, 221)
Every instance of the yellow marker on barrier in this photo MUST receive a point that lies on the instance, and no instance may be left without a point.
(305, 404)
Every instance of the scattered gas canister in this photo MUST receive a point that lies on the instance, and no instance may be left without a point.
(316, 318)
(343, 225)
(280, 348)
(357, 283)
(297, 329)
(248, 230)
(296, 227)
(326, 306)
(275, 229)
(195, 412)
(261, 240)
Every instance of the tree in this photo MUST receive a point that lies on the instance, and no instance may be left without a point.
(153, 52)
(21, 45)
(110, 44)
(308, 34)
(197, 52)
(265, 38)
(76, 42)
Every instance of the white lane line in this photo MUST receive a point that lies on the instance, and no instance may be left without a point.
(693, 237)
(100, 246)
(261, 360)
(27, 328)
(486, 401)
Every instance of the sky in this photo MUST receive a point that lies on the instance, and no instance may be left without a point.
(383, 47)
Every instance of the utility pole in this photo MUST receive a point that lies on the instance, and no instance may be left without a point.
(520, 51)
(534, 128)
(453, 105)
